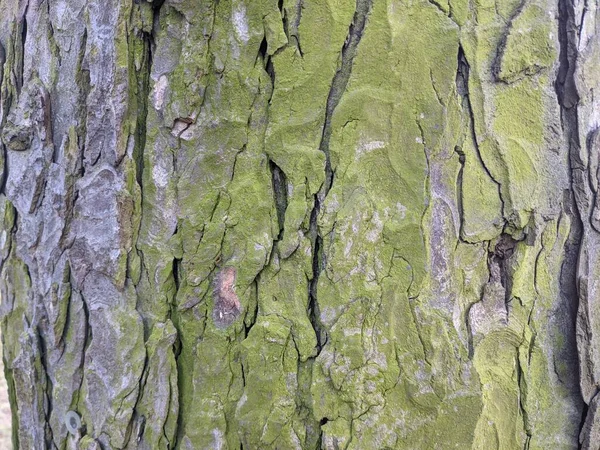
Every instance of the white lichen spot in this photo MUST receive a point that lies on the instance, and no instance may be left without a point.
(348, 331)
(158, 93)
(291, 381)
(240, 23)
(218, 439)
(347, 248)
(328, 315)
(401, 210)
(373, 145)
(368, 147)
(376, 228)
(332, 205)
(160, 176)
(241, 402)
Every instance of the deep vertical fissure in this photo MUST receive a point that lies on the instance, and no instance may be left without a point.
(497, 63)
(568, 97)
(4, 104)
(20, 62)
(337, 89)
(139, 100)
(86, 344)
(279, 184)
(462, 85)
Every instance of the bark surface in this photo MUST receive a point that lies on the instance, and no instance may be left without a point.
(301, 224)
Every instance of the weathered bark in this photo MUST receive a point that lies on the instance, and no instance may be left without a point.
(360, 224)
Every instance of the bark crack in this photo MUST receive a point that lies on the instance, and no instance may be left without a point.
(574, 203)
(497, 63)
(338, 86)
(462, 84)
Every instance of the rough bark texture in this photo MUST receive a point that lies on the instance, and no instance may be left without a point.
(301, 224)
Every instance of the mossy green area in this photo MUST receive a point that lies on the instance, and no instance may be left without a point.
(293, 224)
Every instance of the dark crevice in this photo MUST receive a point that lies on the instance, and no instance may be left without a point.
(249, 323)
(459, 189)
(176, 273)
(144, 42)
(39, 193)
(4, 107)
(83, 80)
(135, 418)
(319, 444)
(144, 81)
(156, 5)
(48, 122)
(437, 6)
(271, 71)
(498, 263)
(62, 339)
(143, 89)
(338, 87)
(267, 62)
(86, 343)
(470, 333)
(262, 50)
(294, 32)
(48, 388)
(573, 205)
(497, 63)
(339, 83)
(584, 414)
(284, 19)
(314, 312)
(20, 62)
(176, 269)
(462, 86)
(522, 385)
(2, 61)
(290, 19)
(4, 176)
(279, 181)
(566, 90)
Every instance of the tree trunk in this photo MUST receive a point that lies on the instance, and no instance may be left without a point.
(301, 224)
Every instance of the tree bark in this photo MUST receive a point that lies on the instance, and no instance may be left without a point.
(300, 224)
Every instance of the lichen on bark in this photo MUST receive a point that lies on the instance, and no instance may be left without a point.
(300, 223)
